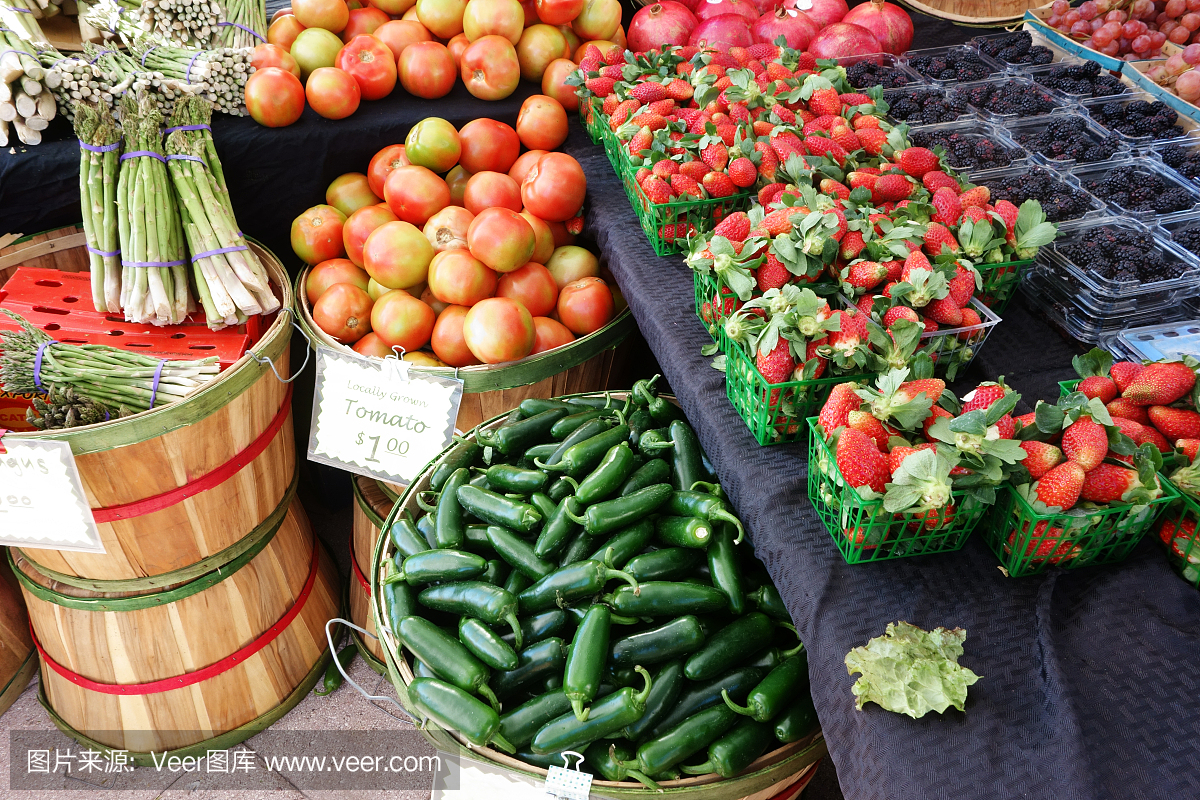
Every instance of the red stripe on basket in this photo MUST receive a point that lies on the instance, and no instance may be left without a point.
(212, 670)
(362, 579)
(208, 481)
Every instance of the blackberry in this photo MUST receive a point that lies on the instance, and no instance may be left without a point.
(1188, 239)
(865, 74)
(1081, 80)
(966, 150)
(1138, 118)
(1014, 48)
(1172, 200)
(1120, 254)
(1185, 162)
(1008, 99)
(925, 106)
(1059, 200)
(1069, 138)
(956, 65)
(1140, 190)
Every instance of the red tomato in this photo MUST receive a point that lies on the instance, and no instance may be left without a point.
(447, 340)
(315, 48)
(543, 239)
(372, 345)
(397, 255)
(272, 55)
(585, 305)
(488, 145)
(554, 189)
(532, 286)
(539, 45)
(491, 190)
(498, 329)
(500, 17)
(332, 15)
(283, 31)
(392, 7)
(344, 312)
(558, 12)
(569, 264)
(562, 236)
(572, 40)
(383, 162)
(350, 192)
(549, 334)
(415, 193)
(335, 270)
(283, 12)
(542, 123)
(427, 70)
(371, 64)
(530, 9)
(599, 19)
(430, 299)
(490, 69)
(457, 180)
(447, 229)
(363, 20)
(317, 233)
(332, 93)
(522, 165)
(457, 277)
(433, 142)
(274, 97)
(457, 45)
(400, 33)
(402, 320)
(501, 238)
(554, 83)
(443, 18)
(359, 226)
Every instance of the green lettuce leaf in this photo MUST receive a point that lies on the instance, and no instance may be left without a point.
(911, 671)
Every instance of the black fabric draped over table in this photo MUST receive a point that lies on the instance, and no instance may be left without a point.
(1090, 684)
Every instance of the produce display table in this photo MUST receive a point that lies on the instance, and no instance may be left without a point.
(1089, 685)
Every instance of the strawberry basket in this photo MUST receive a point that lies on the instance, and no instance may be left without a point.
(1178, 534)
(668, 225)
(592, 119)
(709, 287)
(1026, 542)
(864, 532)
(1000, 283)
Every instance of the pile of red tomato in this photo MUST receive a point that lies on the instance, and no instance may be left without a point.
(468, 253)
(346, 52)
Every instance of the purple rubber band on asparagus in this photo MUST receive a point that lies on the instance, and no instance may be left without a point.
(148, 52)
(97, 58)
(113, 254)
(152, 263)
(21, 10)
(22, 52)
(250, 31)
(197, 159)
(218, 252)
(106, 148)
(146, 153)
(187, 75)
(157, 376)
(187, 128)
(37, 364)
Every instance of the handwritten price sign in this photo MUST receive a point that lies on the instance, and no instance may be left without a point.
(42, 504)
(374, 417)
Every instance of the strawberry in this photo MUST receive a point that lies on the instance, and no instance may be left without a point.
(897, 313)
(962, 285)
(1040, 458)
(1189, 447)
(894, 268)
(612, 71)
(810, 352)
(947, 209)
(914, 261)
(763, 51)
(977, 197)
(864, 422)
(778, 72)
(742, 55)
(615, 55)
(735, 227)
(622, 113)
(865, 274)
(1160, 384)
(1044, 544)
(824, 146)
(772, 274)
(696, 170)
(777, 365)
(683, 185)
(831, 187)
(610, 104)
(1175, 423)
(657, 190)
(727, 131)
(916, 161)
(985, 394)
(934, 412)
(1006, 427)
(778, 221)
(1098, 386)
(1060, 487)
(975, 213)
(944, 312)
(768, 160)
(872, 140)
(718, 184)
(640, 176)
(769, 194)
(936, 179)
(865, 122)
(841, 401)
(852, 245)
(1028, 420)
(1109, 483)
(716, 155)
(860, 462)
(679, 90)
(640, 141)
(1180, 536)
(865, 303)
(650, 119)
(600, 86)
(1008, 212)
(680, 231)
(1127, 409)
(786, 144)
(1142, 433)
(650, 92)
(852, 337)
(897, 454)
(742, 172)
(970, 318)
(825, 101)
(891, 188)
(938, 239)
(846, 137)
(1085, 442)
(1123, 373)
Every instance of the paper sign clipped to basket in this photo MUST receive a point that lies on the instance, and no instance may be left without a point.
(567, 783)
(42, 504)
(377, 417)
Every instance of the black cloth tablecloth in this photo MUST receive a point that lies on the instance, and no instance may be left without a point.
(1090, 685)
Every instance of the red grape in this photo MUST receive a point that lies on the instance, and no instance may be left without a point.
(1187, 86)
(1131, 29)
(1071, 17)
(1178, 35)
(1141, 44)
(1095, 24)
(1087, 10)
(1157, 39)
(1060, 7)
(1117, 16)
(1081, 28)
(1168, 26)
(1054, 21)
(1111, 49)
(1175, 8)
(1101, 37)
(1191, 54)
(1142, 9)
(1193, 5)
(1190, 21)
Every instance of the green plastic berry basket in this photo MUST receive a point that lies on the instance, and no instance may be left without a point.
(1000, 282)
(669, 225)
(1027, 542)
(1066, 387)
(711, 314)
(863, 531)
(1182, 544)
(595, 123)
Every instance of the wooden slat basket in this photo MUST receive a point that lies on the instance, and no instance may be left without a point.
(18, 659)
(371, 506)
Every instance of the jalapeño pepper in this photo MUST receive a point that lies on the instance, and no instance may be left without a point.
(568, 584)
(496, 573)
(613, 514)
(666, 598)
(519, 553)
(624, 545)
(768, 600)
(485, 644)
(652, 442)
(738, 641)
(582, 457)
(538, 451)
(434, 566)
(535, 663)
(644, 392)
(507, 478)
(704, 506)
(407, 538)
(496, 509)
(736, 750)
(475, 539)
(585, 663)
(686, 455)
(476, 599)
(670, 563)
(593, 427)
(517, 582)
(676, 638)
(446, 656)
(519, 725)
(568, 424)
(606, 479)
(639, 422)
(399, 601)
(542, 502)
(577, 549)
(558, 529)
(421, 669)
(696, 697)
(606, 716)
(333, 676)
(561, 488)
(710, 488)
(480, 479)
(448, 516)
(605, 757)
(532, 406)
(668, 684)
(664, 411)
(797, 721)
(656, 470)
(683, 531)
(776, 692)
(426, 526)
(683, 741)
(541, 626)
(725, 571)
(466, 454)
(454, 709)
(517, 437)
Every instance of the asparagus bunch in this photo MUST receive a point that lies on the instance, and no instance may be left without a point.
(66, 408)
(99, 163)
(230, 280)
(251, 15)
(74, 79)
(154, 286)
(190, 23)
(218, 76)
(102, 374)
(25, 97)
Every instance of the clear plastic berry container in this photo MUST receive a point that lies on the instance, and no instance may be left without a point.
(1110, 312)
(878, 61)
(1025, 132)
(1143, 175)
(1138, 142)
(1061, 199)
(1041, 75)
(1181, 156)
(915, 60)
(919, 94)
(1057, 54)
(1078, 323)
(1008, 154)
(1163, 341)
(1048, 102)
